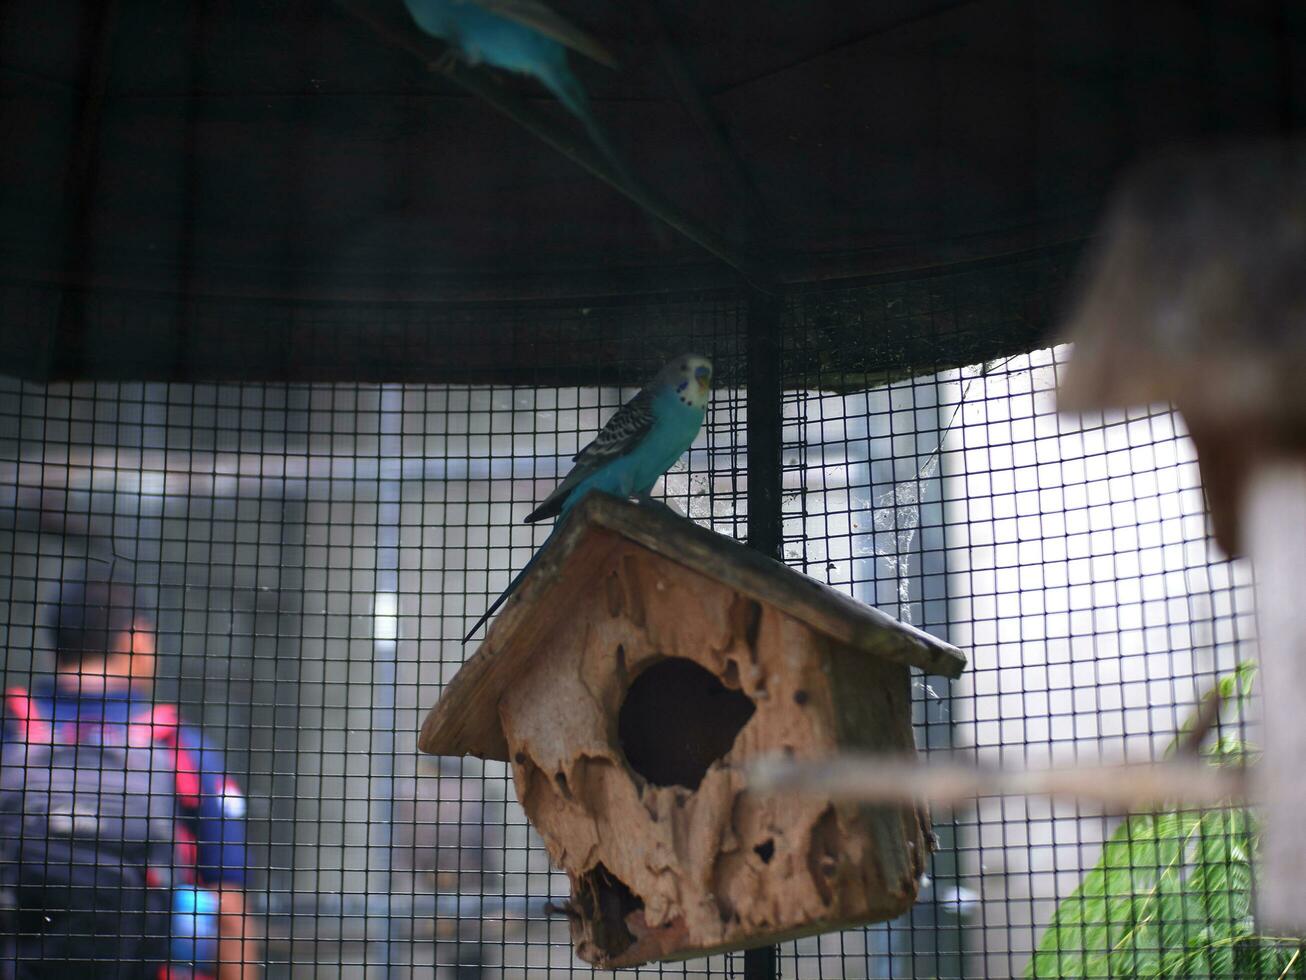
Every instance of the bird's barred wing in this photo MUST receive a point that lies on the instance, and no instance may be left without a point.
(548, 22)
(623, 434)
(624, 431)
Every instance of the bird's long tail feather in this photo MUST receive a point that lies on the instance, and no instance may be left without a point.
(568, 90)
(512, 586)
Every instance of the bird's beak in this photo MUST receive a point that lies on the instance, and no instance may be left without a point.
(704, 378)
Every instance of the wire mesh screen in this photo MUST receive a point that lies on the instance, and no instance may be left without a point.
(1070, 557)
(316, 553)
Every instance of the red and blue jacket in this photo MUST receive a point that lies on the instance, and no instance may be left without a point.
(210, 807)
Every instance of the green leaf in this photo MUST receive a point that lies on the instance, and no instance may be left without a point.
(1171, 894)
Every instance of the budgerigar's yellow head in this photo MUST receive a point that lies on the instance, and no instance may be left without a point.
(690, 376)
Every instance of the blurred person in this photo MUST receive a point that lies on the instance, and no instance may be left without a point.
(122, 838)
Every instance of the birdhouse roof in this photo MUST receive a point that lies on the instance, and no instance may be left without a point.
(466, 719)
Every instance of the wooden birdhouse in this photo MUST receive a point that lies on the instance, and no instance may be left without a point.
(640, 665)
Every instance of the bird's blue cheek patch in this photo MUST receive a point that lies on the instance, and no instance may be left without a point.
(682, 386)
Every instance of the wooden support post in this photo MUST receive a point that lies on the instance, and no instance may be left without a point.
(1274, 522)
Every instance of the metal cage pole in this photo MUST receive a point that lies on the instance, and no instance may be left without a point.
(385, 640)
(765, 423)
(765, 413)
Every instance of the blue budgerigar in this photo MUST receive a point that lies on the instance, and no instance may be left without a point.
(640, 442)
(522, 36)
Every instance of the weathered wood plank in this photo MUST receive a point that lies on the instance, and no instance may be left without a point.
(668, 854)
(1274, 522)
(884, 779)
(466, 719)
(826, 610)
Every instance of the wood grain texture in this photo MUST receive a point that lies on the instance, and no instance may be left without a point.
(564, 586)
(1119, 788)
(1275, 521)
(465, 721)
(663, 872)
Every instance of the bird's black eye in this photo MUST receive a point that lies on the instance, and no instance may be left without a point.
(683, 366)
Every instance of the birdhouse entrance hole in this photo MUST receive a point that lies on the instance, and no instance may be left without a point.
(677, 719)
(605, 900)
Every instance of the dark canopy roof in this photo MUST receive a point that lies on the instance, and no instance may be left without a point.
(287, 149)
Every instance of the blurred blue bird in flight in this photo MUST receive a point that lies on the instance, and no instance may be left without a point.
(639, 443)
(522, 36)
